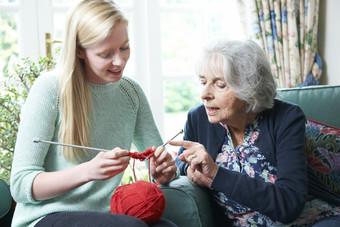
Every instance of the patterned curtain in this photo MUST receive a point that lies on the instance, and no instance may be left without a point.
(287, 32)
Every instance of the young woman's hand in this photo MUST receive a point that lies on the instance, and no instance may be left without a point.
(162, 166)
(104, 166)
(108, 164)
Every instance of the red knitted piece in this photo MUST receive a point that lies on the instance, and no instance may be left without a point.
(141, 199)
(142, 156)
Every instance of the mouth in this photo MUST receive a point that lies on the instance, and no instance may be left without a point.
(212, 110)
(115, 71)
(116, 74)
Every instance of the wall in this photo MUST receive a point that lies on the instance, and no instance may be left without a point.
(329, 41)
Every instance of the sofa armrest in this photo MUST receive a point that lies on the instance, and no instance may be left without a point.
(186, 204)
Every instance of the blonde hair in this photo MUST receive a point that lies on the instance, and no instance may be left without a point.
(88, 22)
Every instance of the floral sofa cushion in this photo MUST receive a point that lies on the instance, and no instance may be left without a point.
(323, 153)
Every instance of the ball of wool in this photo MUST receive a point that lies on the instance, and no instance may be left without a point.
(141, 199)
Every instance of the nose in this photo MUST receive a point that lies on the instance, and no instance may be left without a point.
(206, 92)
(117, 59)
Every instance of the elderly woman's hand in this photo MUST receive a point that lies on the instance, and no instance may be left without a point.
(202, 168)
(162, 166)
(198, 178)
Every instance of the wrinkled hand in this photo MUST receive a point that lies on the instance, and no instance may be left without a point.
(197, 178)
(108, 164)
(162, 166)
(202, 168)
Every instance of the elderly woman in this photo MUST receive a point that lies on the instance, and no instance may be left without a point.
(245, 145)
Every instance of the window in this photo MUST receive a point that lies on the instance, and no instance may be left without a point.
(8, 35)
(165, 37)
(185, 26)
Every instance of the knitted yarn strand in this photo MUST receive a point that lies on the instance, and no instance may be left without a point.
(148, 153)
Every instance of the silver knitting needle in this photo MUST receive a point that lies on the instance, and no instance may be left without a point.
(68, 145)
(164, 144)
(173, 137)
(36, 140)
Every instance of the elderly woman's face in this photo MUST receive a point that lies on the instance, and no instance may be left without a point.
(220, 102)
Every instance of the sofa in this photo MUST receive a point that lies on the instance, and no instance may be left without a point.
(190, 206)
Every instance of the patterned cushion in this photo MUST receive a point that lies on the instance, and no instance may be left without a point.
(323, 153)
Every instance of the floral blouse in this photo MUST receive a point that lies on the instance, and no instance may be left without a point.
(248, 159)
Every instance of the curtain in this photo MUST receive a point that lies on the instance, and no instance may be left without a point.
(287, 32)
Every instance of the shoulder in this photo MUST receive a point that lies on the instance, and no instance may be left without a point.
(284, 120)
(197, 116)
(131, 88)
(44, 90)
(198, 111)
(283, 117)
(133, 92)
(47, 81)
(130, 84)
(284, 110)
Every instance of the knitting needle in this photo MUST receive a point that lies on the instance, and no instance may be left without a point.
(36, 140)
(68, 145)
(164, 144)
(173, 137)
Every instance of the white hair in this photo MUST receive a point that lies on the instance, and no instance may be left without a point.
(245, 68)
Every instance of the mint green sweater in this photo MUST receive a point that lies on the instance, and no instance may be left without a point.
(121, 116)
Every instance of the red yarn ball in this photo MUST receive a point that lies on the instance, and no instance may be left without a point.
(141, 199)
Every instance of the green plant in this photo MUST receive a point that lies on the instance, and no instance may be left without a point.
(13, 93)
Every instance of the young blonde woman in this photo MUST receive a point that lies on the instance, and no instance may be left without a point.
(88, 103)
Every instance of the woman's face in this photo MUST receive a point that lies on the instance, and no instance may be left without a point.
(105, 62)
(220, 102)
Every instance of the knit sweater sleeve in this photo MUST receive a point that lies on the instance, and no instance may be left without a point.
(282, 137)
(40, 108)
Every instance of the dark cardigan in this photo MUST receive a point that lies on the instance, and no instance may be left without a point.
(281, 141)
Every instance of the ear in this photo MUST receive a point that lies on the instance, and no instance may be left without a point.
(80, 52)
